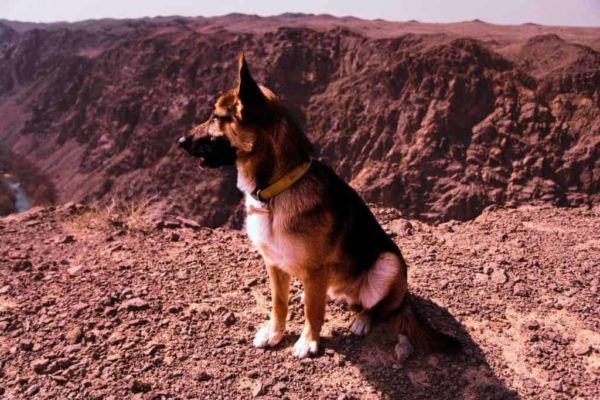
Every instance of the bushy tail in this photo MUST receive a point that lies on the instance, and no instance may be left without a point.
(421, 334)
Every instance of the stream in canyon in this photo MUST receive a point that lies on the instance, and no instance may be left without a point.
(23, 201)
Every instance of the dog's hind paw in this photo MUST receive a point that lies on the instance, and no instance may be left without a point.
(267, 336)
(305, 347)
(361, 324)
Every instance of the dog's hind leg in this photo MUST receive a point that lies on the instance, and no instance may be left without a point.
(360, 324)
(272, 332)
(382, 285)
(315, 296)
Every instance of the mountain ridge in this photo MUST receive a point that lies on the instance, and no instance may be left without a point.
(445, 124)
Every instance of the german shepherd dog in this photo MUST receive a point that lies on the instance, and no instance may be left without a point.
(306, 222)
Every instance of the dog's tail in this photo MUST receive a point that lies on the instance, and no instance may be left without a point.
(421, 334)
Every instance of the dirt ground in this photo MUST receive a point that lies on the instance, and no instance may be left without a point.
(97, 305)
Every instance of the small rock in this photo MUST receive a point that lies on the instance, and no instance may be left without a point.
(408, 228)
(534, 337)
(32, 391)
(175, 309)
(135, 304)
(203, 376)
(26, 345)
(533, 325)
(252, 282)
(74, 335)
(154, 348)
(279, 389)
(58, 364)
(557, 386)
(61, 380)
(480, 279)
(39, 366)
(253, 374)
(583, 350)
(79, 307)
(189, 223)
(76, 270)
(140, 386)
(258, 390)
(172, 224)
(444, 283)
(22, 266)
(4, 289)
(72, 348)
(488, 269)
(65, 239)
(168, 360)
(110, 311)
(230, 319)
(520, 290)
(175, 237)
(3, 325)
(116, 338)
(114, 357)
(499, 277)
(403, 348)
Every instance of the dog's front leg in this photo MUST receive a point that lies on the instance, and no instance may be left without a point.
(271, 333)
(315, 294)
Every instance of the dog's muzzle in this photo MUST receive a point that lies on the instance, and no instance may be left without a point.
(213, 152)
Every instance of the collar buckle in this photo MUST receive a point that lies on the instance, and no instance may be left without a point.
(256, 195)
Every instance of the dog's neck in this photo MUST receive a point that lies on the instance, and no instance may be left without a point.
(286, 148)
(251, 180)
(246, 182)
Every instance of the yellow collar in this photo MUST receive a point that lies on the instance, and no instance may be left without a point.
(282, 183)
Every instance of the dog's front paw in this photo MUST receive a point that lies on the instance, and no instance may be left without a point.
(305, 346)
(267, 336)
(361, 324)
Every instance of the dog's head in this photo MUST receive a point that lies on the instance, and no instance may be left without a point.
(233, 128)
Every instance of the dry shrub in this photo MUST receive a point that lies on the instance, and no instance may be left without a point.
(131, 215)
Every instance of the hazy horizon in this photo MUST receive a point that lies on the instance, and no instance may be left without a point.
(508, 12)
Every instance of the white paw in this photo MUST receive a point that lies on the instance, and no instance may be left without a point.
(304, 347)
(360, 324)
(267, 336)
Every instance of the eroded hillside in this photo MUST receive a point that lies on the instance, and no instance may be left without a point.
(439, 121)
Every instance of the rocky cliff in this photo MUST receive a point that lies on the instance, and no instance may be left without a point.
(439, 121)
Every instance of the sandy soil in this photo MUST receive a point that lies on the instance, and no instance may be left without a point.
(104, 305)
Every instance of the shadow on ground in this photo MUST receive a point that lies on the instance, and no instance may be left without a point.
(466, 375)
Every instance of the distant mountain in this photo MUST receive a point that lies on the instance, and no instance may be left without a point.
(438, 120)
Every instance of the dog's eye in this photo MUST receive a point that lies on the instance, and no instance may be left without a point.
(222, 118)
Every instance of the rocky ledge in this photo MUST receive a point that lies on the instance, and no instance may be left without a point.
(108, 305)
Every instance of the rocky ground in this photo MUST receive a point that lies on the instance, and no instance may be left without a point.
(107, 305)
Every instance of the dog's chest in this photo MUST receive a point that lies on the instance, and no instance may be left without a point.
(258, 223)
(260, 231)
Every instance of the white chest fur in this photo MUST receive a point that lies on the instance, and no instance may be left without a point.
(258, 224)
(277, 250)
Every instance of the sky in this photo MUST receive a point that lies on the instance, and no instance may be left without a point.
(547, 12)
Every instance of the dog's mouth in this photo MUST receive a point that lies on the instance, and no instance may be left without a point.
(213, 152)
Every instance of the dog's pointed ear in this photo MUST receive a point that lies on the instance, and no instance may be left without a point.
(248, 90)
